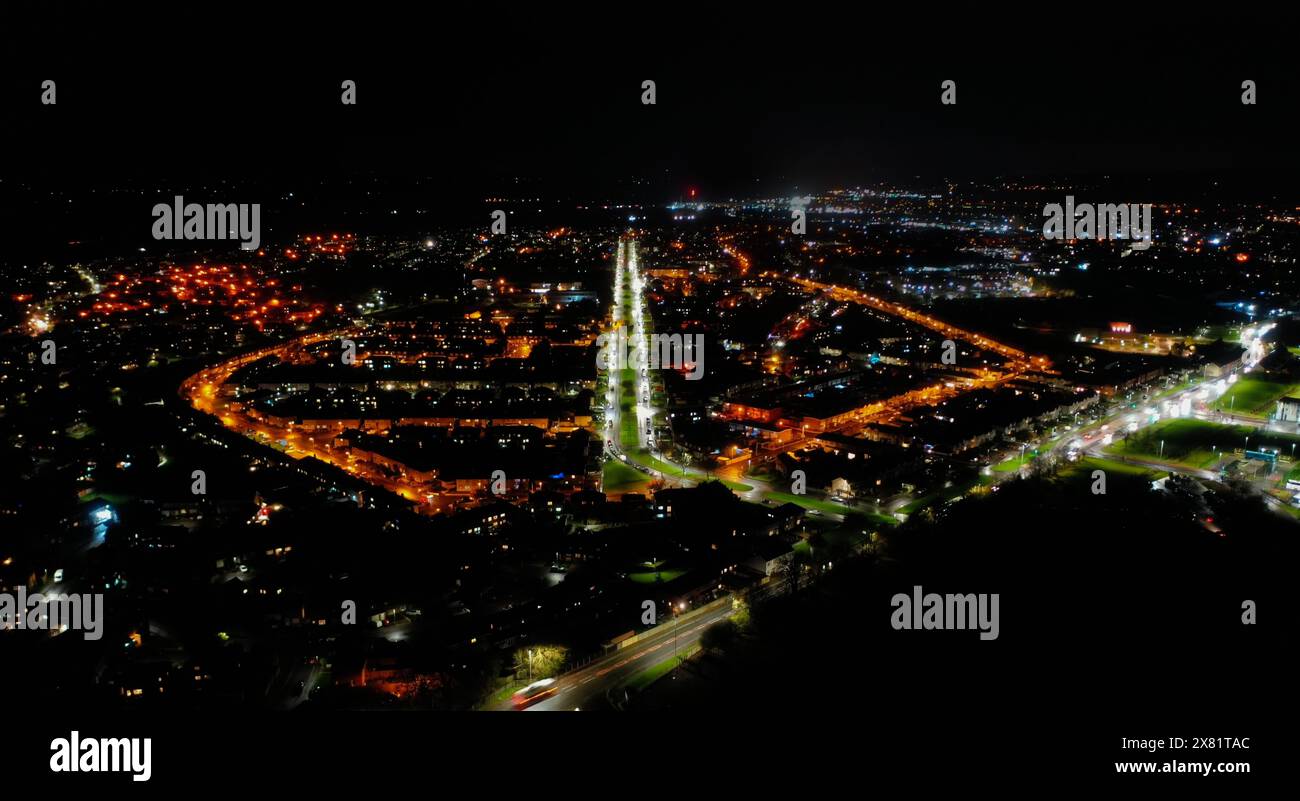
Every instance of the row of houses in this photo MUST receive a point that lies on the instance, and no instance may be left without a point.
(380, 424)
(981, 417)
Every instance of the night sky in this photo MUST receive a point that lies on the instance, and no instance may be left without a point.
(743, 107)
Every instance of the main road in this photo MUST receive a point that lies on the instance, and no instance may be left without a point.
(630, 315)
(586, 687)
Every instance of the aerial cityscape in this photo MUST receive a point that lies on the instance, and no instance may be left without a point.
(688, 427)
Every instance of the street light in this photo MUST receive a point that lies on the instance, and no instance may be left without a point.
(681, 607)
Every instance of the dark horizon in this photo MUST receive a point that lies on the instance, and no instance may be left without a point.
(739, 109)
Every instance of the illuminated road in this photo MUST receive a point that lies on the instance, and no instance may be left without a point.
(632, 317)
(586, 688)
(1018, 360)
(1091, 440)
(623, 316)
(645, 410)
(202, 391)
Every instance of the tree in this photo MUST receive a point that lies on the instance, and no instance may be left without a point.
(740, 611)
(540, 661)
(794, 568)
(720, 636)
